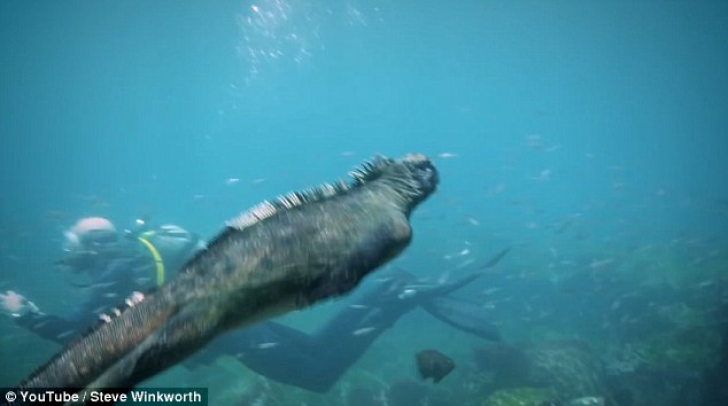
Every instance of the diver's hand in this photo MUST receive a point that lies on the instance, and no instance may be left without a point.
(16, 305)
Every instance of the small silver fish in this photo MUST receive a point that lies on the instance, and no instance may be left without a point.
(65, 333)
(407, 293)
(362, 331)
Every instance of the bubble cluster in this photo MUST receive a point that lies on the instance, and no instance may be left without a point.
(276, 32)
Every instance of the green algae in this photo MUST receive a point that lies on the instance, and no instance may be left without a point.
(520, 397)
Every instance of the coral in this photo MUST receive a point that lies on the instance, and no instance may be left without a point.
(685, 349)
(568, 366)
(521, 397)
(684, 316)
(510, 364)
(362, 396)
(406, 392)
(623, 359)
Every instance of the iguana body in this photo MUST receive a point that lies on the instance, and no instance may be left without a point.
(277, 257)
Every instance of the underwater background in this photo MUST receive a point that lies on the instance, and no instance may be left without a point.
(590, 137)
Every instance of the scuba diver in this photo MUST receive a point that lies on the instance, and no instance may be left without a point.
(115, 264)
(121, 263)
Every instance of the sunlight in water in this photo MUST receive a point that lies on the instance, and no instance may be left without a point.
(284, 31)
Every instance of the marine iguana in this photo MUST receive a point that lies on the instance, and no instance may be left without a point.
(277, 257)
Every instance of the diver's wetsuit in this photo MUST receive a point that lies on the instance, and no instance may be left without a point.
(316, 361)
(127, 266)
(115, 283)
(313, 362)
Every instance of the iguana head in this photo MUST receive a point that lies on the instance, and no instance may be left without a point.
(413, 177)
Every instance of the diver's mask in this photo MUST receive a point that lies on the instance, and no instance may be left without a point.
(85, 251)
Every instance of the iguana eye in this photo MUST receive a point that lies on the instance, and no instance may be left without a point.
(426, 174)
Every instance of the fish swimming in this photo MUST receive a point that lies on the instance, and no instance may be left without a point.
(277, 257)
(316, 361)
(434, 364)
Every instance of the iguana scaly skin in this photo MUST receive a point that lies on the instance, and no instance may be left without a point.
(277, 257)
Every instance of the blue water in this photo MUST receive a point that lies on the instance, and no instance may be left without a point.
(574, 132)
